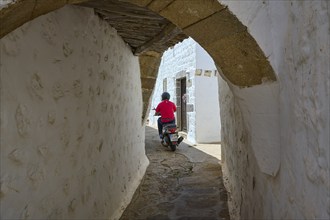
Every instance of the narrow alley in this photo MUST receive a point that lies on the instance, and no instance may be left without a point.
(185, 184)
(79, 80)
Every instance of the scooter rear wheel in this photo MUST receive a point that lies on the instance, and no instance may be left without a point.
(169, 143)
(173, 147)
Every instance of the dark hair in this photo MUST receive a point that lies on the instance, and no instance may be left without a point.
(166, 96)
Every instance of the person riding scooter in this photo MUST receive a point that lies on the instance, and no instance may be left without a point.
(166, 110)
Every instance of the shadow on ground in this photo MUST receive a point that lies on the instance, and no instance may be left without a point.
(185, 184)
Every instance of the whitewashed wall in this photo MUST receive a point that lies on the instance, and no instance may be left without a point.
(72, 143)
(208, 128)
(281, 170)
(189, 57)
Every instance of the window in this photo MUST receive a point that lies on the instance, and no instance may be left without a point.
(165, 85)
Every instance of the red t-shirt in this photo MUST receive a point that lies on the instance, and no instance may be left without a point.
(166, 109)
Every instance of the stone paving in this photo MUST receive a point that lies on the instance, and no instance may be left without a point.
(185, 184)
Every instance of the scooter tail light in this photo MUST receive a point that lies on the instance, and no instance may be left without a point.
(172, 130)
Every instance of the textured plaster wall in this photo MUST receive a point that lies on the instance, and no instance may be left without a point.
(295, 37)
(72, 143)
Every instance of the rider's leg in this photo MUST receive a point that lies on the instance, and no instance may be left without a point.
(160, 127)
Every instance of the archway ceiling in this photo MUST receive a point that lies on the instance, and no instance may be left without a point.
(143, 29)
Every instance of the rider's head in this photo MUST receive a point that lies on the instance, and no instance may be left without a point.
(165, 96)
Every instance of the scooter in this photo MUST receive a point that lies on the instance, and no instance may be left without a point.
(170, 134)
(171, 137)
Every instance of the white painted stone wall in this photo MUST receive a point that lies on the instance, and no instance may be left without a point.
(208, 128)
(277, 158)
(189, 57)
(72, 142)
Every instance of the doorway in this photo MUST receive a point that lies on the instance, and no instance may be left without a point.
(183, 104)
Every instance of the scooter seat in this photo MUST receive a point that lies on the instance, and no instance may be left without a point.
(169, 126)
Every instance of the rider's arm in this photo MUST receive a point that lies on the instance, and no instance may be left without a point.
(157, 110)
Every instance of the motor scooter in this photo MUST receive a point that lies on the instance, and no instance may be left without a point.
(170, 134)
(171, 137)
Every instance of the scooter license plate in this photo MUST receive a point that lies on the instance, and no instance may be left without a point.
(174, 137)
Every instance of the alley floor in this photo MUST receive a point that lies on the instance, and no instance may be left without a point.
(185, 184)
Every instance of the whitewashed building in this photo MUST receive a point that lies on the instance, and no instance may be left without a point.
(189, 74)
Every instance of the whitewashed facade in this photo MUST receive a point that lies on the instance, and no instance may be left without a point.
(188, 69)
